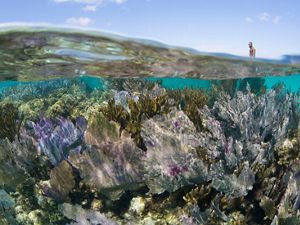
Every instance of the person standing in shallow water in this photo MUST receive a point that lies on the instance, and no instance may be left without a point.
(252, 50)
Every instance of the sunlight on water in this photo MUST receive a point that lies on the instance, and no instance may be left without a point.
(33, 54)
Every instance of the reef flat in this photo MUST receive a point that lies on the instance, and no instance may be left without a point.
(85, 150)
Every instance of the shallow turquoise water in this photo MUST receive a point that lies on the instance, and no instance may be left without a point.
(291, 82)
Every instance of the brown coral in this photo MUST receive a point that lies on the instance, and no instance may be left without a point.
(190, 100)
(9, 122)
(146, 107)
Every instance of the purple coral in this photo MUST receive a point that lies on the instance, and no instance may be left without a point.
(55, 138)
(175, 170)
(177, 124)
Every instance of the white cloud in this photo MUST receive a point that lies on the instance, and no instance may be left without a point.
(91, 5)
(264, 16)
(23, 24)
(91, 8)
(79, 21)
(277, 19)
(248, 19)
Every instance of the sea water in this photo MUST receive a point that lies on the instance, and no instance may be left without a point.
(103, 129)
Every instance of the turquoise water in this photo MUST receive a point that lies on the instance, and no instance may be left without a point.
(291, 82)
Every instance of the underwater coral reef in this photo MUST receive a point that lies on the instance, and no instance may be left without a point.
(135, 152)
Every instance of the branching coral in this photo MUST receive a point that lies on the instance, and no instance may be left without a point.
(10, 123)
(168, 157)
(190, 101)
(130, 116)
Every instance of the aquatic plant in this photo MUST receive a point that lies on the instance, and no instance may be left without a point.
(9, 120)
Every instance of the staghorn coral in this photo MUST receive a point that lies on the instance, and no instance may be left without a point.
(39, 89)
(144, 87)
(69, 98)
(65, 105)
(257, 85)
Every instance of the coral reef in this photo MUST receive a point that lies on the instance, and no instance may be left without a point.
(141, 154)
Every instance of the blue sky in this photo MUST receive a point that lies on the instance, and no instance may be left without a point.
(206, 25)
